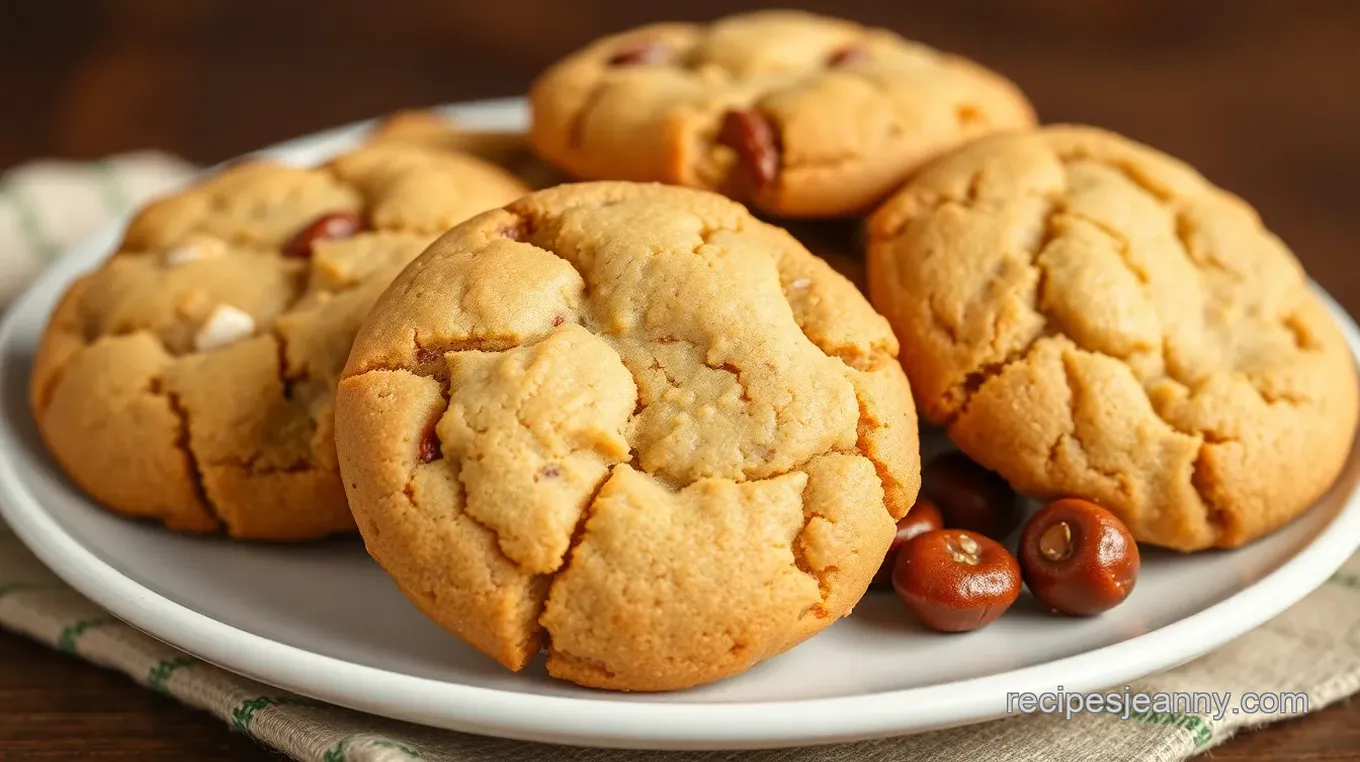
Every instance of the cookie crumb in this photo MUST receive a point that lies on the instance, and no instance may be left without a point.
(225, 325)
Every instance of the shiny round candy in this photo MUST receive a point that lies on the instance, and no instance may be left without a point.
(923, 517)
(969, 496)
(1078, 558)
(954, 580)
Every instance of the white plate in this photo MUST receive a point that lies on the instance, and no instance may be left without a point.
(323, 621)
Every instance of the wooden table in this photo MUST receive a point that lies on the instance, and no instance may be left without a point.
(1260, 94)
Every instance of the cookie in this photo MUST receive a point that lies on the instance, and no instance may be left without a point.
(1090, 317)
(796, 115)
(190, 378)
(507, 149)
(632, 423)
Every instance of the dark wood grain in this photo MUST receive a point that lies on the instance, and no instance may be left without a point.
(1260, 94)
(54, 707)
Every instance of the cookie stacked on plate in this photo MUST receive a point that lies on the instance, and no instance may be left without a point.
(1090, 317)
(631, 423)
(642, 429)
(795, 115)
(190, 378)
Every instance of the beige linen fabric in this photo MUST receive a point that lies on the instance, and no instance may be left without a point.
(1313, 648)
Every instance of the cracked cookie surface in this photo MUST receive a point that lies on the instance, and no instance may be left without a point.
(190, 378)
(630, 423)
(794, 114)
(1091, 317)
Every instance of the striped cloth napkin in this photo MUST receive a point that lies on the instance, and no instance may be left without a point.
(1313, 649)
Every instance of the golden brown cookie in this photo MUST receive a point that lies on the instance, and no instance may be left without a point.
(794, 114)
(1090, 317)
(631, 423)
(507, 149)
(190, 378)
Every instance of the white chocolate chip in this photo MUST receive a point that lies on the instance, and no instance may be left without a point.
(180, 255)
(197, 247)
(225, 325)
(801, 283)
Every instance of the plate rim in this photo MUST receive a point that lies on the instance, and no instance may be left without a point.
(605, 721)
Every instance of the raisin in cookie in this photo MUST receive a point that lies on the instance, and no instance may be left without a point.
(795, 114)
(630, 422)
(190, 378)
(1090, 317)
